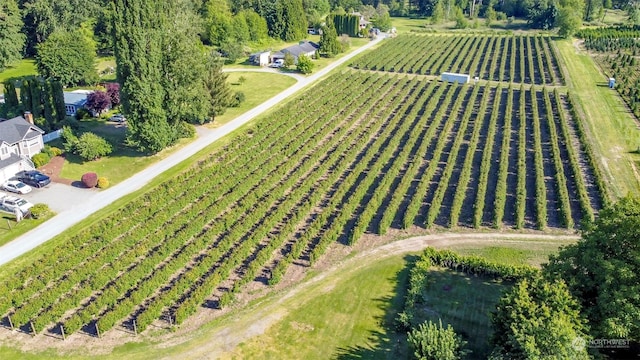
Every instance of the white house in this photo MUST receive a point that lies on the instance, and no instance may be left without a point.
(20, 139)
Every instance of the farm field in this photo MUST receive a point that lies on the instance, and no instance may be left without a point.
(377, 151)
(520, 59)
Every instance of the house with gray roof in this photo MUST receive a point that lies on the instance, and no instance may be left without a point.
(307, 48)
(74, 101)
(19, 141)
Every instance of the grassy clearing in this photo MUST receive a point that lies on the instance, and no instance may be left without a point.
(9, 229)
(404, 25)
(25, 67)
(121, 164)
(353, 319)
(517, 253)
(463, 301)
(613, 130)
(257, 88)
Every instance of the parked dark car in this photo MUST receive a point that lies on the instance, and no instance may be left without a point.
(33, 178)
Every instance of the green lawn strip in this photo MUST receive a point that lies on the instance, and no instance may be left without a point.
(609, 123)
(257, 88)
(25, 67)
(515, 253)
(9, 229)
(352, 314)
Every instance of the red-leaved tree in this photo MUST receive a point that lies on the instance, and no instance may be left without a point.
(113, 90)
(98, 101)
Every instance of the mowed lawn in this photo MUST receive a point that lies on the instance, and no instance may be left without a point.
(25, 67)
(123, 162)
(614, 131)
(257, 88)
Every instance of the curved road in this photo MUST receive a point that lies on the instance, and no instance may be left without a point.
(77, 213)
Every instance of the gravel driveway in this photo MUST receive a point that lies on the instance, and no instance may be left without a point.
(60, 197)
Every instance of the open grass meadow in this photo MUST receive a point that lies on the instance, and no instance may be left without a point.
(613, 130)
(257, 88)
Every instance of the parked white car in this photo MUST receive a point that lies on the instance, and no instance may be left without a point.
(17, 187)
(118, 118)
(277, 64)
(10, 203)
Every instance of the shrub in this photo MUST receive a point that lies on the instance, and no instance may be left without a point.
(40, 159)
(83, 114)
(432, 341)
(39, 210)
(52, 151)
(70, 140)
(90, 180)
(186, 130)
(103, 183)
(237, 99)
(91, 146)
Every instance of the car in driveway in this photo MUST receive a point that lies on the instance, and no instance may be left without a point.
(34, 178)
(119, 118)
(17, 187)
(11, 203)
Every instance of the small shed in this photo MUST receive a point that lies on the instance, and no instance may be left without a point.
(260, 58)
(453, 77)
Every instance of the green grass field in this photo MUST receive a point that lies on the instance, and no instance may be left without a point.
(465, 303)
(257, 88)
(612, 128)
(9, 229)
(121, 164)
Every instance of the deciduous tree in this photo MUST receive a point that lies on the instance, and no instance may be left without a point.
(98, 101)
(601, 271)
(305, 64)
(68, 57)
(538, 319)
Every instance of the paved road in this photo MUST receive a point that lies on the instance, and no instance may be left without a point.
(68, 218)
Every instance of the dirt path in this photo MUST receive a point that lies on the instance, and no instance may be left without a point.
(257, 319)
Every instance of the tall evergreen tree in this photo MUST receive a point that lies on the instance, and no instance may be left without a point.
(183, 66)
(10, 94)
(329, 45)
(11, 38)
(57, 93)
(295, 20)
(218, 90)
(138, 33)
(36, 97)
(48, 102)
